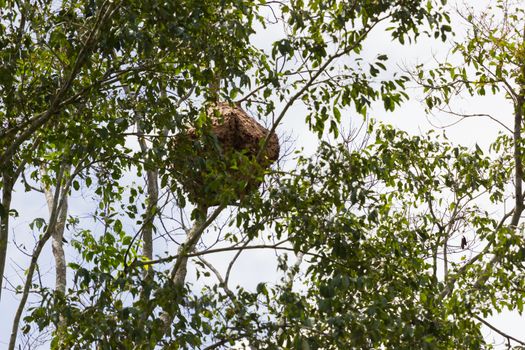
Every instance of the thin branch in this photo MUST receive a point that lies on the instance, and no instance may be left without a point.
(225, 249)
(472, 115)
(509, 337)
(232, 262)
(450, 284)
(221, 280)
(312, 80)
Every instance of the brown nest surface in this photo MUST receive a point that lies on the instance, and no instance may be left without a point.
(220, 163)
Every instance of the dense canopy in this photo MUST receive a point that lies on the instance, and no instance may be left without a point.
(377, 239)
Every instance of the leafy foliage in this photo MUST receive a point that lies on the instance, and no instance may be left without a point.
(375, 228)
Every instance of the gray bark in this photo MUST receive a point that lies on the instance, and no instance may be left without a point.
(7, 190)
(180, 268)
(57, 234)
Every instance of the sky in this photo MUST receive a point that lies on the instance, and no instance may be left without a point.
(257, 266)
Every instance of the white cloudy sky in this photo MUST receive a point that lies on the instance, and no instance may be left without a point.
(260, 266)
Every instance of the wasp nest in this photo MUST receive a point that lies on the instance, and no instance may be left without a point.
(221, 163)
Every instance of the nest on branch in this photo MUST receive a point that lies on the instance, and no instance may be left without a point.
(221, 162)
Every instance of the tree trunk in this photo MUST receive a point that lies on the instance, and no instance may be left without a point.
(57, 234)
(180, 268)
(7, 191)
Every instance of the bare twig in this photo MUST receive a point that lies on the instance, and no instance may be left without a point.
(509, 337)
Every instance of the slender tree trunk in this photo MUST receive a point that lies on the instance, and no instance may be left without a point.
(147, 234)
(7, 190)
(519, 205)
(149, 219)
(179, 271)
(519, 106)
(180, 268)
(151, 209)
(445, 257)
(57, 235)
(152, 188)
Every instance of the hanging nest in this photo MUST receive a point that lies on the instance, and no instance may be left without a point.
(220, 162)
